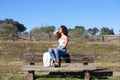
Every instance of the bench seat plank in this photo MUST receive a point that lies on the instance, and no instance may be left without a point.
(63, 68)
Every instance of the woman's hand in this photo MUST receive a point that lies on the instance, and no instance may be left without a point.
(55, 33)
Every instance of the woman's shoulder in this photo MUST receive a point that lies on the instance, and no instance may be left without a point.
(65, 37)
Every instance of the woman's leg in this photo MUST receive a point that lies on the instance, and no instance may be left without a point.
(58, 52)
(52, 54)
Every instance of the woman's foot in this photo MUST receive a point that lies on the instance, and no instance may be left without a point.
(56, 64)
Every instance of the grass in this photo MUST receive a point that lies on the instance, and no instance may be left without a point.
(110, 78)
(18, 75)
(13, 51)
(11, 57)
(12, 75)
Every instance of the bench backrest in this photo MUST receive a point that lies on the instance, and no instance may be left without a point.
(67, 58)
(77, 58)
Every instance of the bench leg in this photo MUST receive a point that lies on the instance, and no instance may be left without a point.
(31, 75)
(86, 75)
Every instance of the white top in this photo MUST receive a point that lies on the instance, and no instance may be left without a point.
(61, 42)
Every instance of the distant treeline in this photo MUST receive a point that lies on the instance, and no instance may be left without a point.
(9, 26)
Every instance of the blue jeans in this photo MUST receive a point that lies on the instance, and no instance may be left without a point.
(55, 53)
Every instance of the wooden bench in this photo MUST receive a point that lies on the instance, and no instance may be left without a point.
(67, 58)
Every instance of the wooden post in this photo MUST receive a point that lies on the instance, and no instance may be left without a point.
(50, 37)
(86, 72)
(119, 38)
(86, 75)
(103, 38)
(30, 37)
(32, 72)
(86, 38)
(13, 35)
(31, 75)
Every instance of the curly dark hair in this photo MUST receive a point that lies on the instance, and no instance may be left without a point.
(65, 31)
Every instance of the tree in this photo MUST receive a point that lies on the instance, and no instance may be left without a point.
(7, 28)
(78, 30)
(80, 27)
(106, 31)
(93, 31)
(48, 29)
(43, 30)
(11, 26)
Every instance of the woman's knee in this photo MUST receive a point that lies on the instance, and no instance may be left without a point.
(56, 51)
(50, 50)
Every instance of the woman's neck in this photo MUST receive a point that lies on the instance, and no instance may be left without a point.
(62, 34)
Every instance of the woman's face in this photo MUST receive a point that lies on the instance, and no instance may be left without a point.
(60, 30)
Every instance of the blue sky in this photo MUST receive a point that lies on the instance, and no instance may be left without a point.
(87, 13)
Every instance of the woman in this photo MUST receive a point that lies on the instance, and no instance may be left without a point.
(62, 36)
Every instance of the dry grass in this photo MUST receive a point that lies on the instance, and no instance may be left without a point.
(105, 54)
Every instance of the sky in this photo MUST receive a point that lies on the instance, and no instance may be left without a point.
(71, 13)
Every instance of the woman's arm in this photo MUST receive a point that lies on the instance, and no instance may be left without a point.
(55, 33)
(66, 42)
